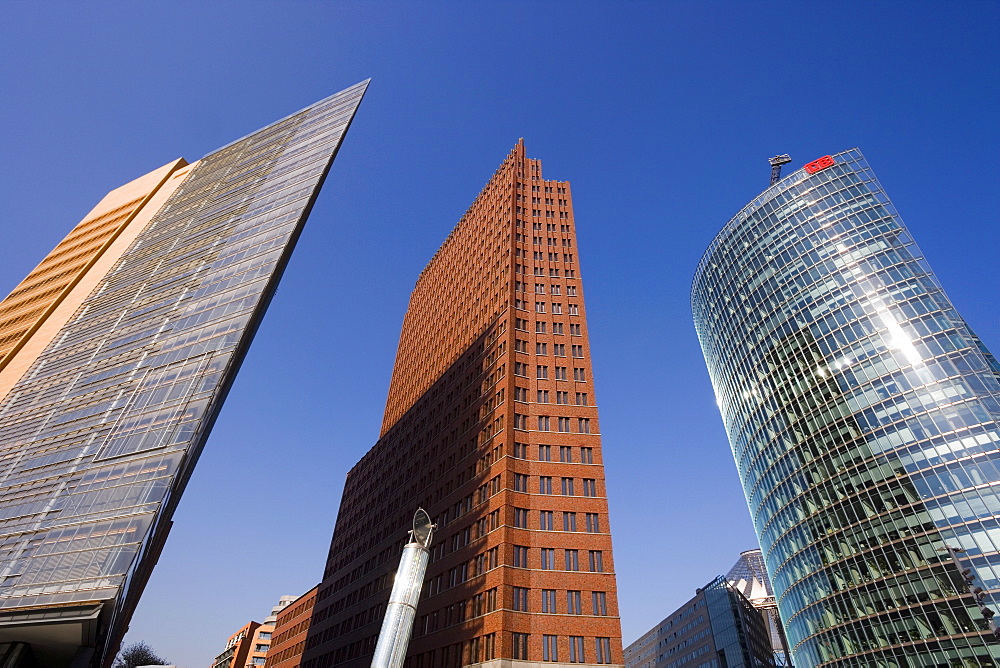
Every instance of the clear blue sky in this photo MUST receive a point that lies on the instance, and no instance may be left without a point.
(662, 115)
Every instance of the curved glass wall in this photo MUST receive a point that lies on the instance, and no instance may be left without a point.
(863, 416)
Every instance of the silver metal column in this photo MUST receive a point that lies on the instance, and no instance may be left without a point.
(397, 626)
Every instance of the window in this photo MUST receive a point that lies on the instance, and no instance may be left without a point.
(567, 257)
(520, 421)
(536, 225)
(260, 648)
(549, 600)
(571, 290)
(556, 308)
(544, 423)
(264, 635)
(566, 454)
(563, 424)
(539, 328)
(543, 396)
(593, 525)
(520, 482)
(557, 328)
(545, 484)
(567, 487)
(520, 556)
(558, 349)
(581, 399)
(600, 601)
(519, 599)
(542, 371)
(554, 273)
(520, 346)
(539, 307)
(602, 647)
(520, 369)
(539, 288)
(539, 271)
(596, 561)
(573, 561)
(520, 393)
(570, 273)
(521, 450)
(550, 650)
(520, 649)
(577, 351)
(569, 521)
(562, 397)
(573, 606)
(545, 521)
(548, 558)
(560, 373)
(521, 323)
(541, 348)
(579, 375)
(553, 257)
(586, 455)
(555, 289)
(574, 330)
(545, 453)
(576, 649)
(589, 487)
(521, 518)
(583, 425)
(574, 309)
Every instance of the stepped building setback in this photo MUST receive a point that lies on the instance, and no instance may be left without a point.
(864, 417)
(116, 354)
(491, 425)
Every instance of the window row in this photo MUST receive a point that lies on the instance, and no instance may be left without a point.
(567, 487)
(553, 272)
(575, 645)
(546, 520)
(546, 423)
(521, 451)
(554, 308)
(543, 396)
(521, 601)
(559, 372)
(540, 288)
(541, 256)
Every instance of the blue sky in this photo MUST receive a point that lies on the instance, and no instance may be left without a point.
(662, 115)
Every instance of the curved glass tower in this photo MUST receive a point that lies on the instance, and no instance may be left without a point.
(864, 418)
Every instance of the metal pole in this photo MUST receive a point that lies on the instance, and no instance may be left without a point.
(397, 625)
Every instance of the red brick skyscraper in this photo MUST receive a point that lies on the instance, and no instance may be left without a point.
(490, 425)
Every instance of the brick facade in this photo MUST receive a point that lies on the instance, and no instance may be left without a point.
(491, 425)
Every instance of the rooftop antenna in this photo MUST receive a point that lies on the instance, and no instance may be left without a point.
(776, 163)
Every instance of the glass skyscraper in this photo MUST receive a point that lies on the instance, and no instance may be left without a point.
(863, 415)
(117, 353)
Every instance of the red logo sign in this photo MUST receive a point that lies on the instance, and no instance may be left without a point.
(817, 165)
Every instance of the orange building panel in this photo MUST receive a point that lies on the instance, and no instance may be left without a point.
(33, 300)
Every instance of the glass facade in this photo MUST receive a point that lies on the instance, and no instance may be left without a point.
(718, 628)
(101, 434)
(864, 418)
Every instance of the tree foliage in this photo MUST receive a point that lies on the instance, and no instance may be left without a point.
(137, 654)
